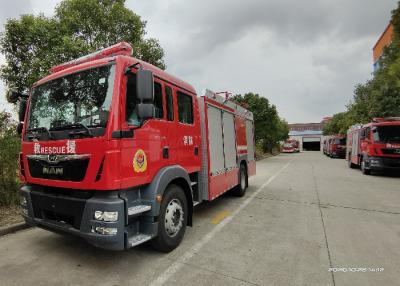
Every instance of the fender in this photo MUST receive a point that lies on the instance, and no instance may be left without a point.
(160, 182)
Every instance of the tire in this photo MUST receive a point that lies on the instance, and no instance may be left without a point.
(364, 170)
(350, 164)
(172, 220)
(241, 188)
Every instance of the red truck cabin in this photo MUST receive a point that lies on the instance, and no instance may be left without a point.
(337, 146)
(375, 146)
(288, 147)
(118, 152)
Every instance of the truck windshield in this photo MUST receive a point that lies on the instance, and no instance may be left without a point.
(340, 141)
(80, 100)
(387, 134)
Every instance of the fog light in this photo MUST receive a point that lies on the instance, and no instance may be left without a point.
(104, 230)
(23, 201)
(110, 216)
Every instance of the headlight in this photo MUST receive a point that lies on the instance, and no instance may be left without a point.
(106, 216)
(110, 216)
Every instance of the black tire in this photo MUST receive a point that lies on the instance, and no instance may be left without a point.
(240, 189)
(171, 230)
(350, 164)
(364, 170)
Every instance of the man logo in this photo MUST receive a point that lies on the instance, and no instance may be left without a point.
(52, 158)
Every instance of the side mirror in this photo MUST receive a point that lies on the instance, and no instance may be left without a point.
(145, 110)
(145, 85)
(20, 126)
(13, 95)
(22, 109)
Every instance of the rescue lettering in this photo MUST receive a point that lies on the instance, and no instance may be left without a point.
(70, 148)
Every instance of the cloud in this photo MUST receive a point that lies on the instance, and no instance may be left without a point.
(305, 56)
(12, 9)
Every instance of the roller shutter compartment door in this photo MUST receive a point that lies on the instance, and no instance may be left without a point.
(250, 140)
(215, 140)
(229, 141)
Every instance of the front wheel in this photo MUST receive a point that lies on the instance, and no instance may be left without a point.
(172, 220)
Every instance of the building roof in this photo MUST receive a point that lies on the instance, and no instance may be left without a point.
(305, 133)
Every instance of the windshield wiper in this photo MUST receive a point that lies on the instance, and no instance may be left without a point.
(39, 129)
(74, 126)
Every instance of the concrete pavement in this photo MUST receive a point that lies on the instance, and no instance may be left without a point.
(303, 214)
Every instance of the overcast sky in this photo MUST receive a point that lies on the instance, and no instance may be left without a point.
(304, 56)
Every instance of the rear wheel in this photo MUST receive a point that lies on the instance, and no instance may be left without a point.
(240, 189)
(172, 220)
(349, 163)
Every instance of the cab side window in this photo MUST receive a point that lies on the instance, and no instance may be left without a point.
(169, 102)
(185, 108)
(158, 101)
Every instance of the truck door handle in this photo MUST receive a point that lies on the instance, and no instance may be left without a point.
(196, 150)
(165, 152)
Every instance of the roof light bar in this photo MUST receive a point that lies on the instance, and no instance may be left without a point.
(122, 48)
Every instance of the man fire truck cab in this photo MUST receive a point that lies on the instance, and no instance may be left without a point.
(288, 147)
(374, 146)
(336, 147)
(118, 152)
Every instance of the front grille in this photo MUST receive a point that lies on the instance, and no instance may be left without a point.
(392, 162)
(72, 170)
(58, 208)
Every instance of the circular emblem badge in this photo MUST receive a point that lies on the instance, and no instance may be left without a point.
(139, 161)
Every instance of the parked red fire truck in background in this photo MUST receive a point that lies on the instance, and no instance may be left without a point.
(290, 146)
(118, 152)
(374, 146)
(336, 146)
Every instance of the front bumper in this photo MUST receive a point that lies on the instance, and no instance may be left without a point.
(340, 153)
(74, 214)
(384, 163)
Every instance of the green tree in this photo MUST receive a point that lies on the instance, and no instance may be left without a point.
(269, 128)
(33, 44)
(10, 146)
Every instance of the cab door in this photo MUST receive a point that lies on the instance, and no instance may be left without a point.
(187, 130)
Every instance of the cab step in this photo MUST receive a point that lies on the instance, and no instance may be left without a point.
(138, 209)
(138, 239)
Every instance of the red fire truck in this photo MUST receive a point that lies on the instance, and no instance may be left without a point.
(289, 146)
(336, 146)
(118, 152)
(374, 146)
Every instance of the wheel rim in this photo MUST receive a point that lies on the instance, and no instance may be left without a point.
(173, 217)
(242, 180)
